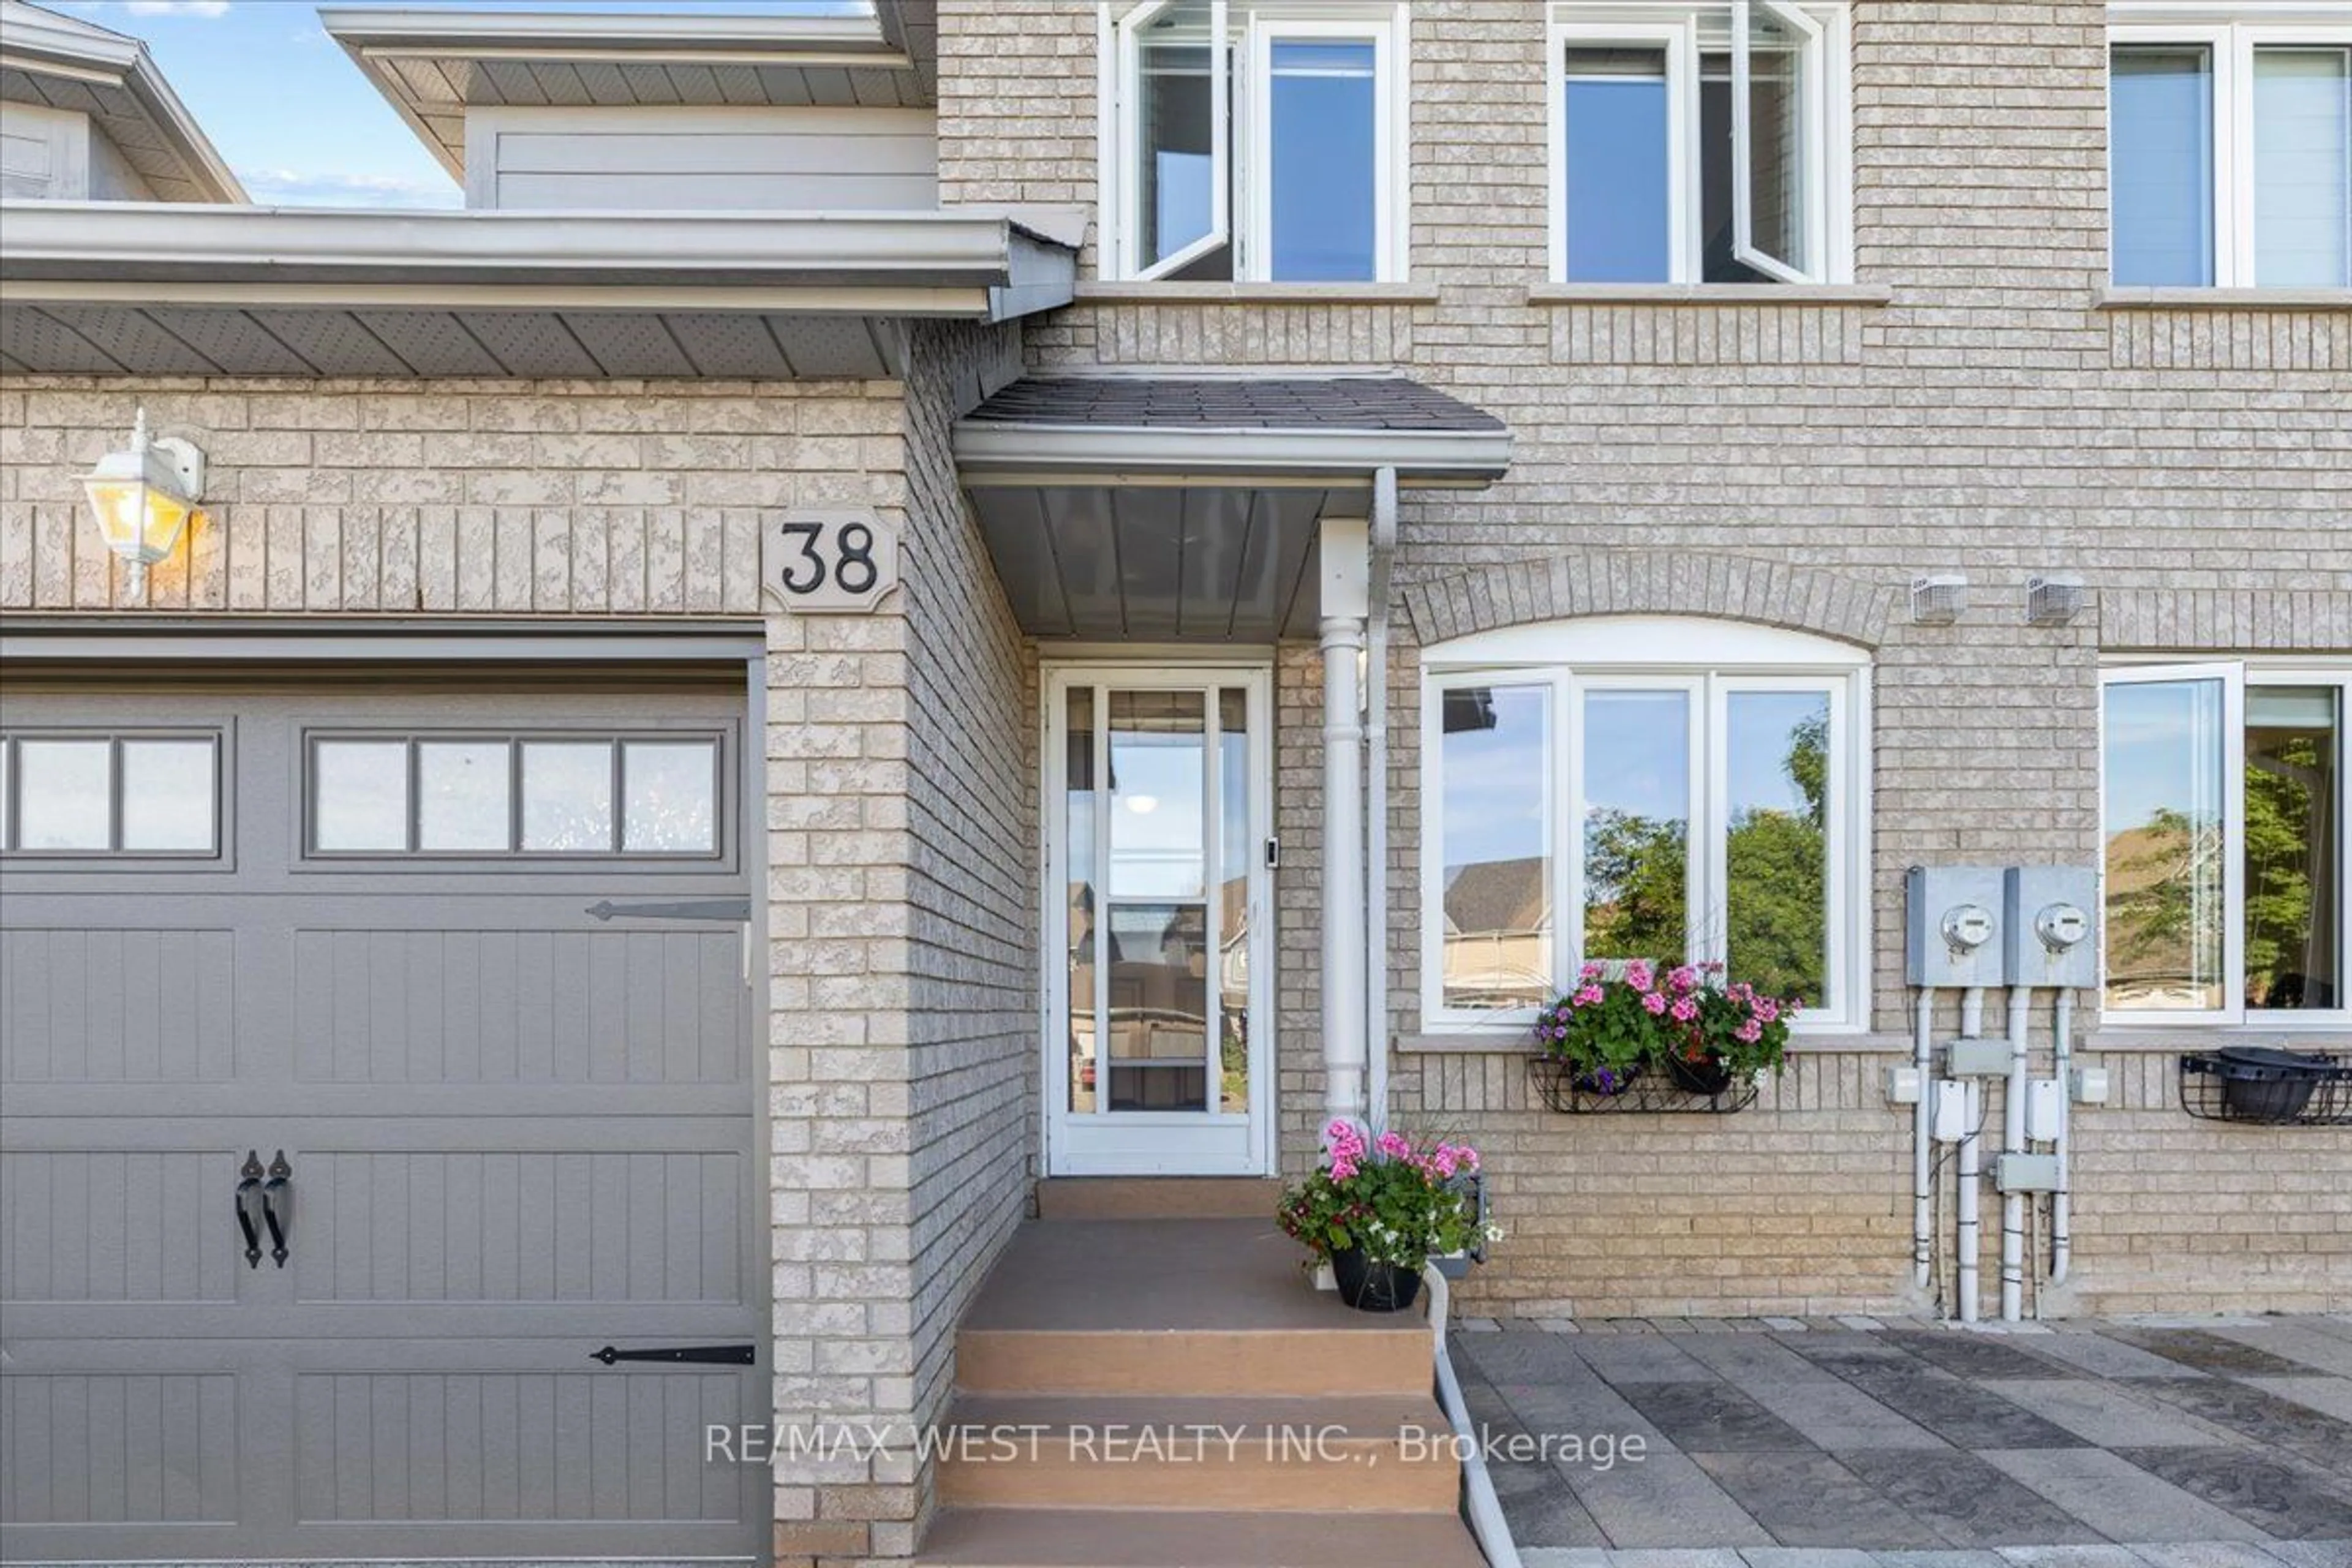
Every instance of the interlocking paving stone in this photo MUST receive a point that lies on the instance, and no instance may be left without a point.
(2312, 1554)
(1939, 1559)
(1961, 1413)
(1744, 1357)
(2206, 1352)
(1521, 1358)
(1665, 1500)
(2071, 1557)
(2117, 1499)
(1969, 1502)
(1807, 1557)
(1542, 1509)
(1979, 1356)
(2329, 1396)
(2263, 1415)
(2205, 1554)
(1834, 1414)
(1644, 1358)
(2285, 1500)
(2317, 1351)
(1565, 1557)
(1700, 1418)
(2104, 1357)
(2103, 1413)
(1840, 1346)
(1808, 1498)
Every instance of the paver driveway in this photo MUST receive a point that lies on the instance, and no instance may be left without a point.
(1857, 1443)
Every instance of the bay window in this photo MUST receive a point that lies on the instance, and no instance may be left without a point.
(2223, 802)
(2230, 151)
(1643, 788)
(1255, 142)
(1700, 142)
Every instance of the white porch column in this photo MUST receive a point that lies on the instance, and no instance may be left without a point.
(1345, 602)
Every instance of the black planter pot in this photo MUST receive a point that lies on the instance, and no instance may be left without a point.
(1706, 1076)
(1370, 1287)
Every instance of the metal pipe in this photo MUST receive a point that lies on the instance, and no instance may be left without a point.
(1972, 1013)
(2062, 1199)
(1376, 794)
(2012, 1141)
(1483, 1509)
(1922, 1052)
(1343, 873)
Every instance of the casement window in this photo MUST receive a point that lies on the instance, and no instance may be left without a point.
(1700, 142)
(2223, 807)
(133, 794)
(2229, 149)
(1643, 787)
(1256, 142)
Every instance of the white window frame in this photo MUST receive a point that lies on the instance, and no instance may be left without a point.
(2232, 34)
(1588, 24)
(1713, 660)
(2235, 676)
(1242, 136)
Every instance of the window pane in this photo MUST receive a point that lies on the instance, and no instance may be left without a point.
(1324, 131)
(2165, 892)
(1157, 751)
(1775, 857)
(2295, 792)
(1084, 904)
(1779, 142)
(567, 796)
(1636, 824)
(167, 795)
(1494, 765)
(1158, 1008)
(462, 790)
(2302, 168)
(1717, 262)
(2160, 165)
(1237, 847)
(1175, 144)
(62, 800)
(1615, 155)
(361, 800)
(670, 786)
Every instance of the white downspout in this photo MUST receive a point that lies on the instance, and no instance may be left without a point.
(1382, 550)
(2061, 1200)
(2012, 1141)
(1345, 599)
(1921, 1152)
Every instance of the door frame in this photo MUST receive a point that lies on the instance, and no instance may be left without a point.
(1166, 669)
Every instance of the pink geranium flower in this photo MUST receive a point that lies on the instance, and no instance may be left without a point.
(1655, 1003)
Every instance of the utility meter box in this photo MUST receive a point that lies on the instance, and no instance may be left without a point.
(2049, 919)
(1952, 926)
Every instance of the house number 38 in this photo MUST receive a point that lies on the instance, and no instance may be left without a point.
(834, 561)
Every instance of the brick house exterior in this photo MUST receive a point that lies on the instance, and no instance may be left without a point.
(1977, 400)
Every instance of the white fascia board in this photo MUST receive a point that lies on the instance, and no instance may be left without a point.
(1157, 450)
(103, 242)
(599, 35)
(38, 43)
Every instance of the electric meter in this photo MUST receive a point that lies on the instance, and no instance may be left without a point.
(2061, 926)
(1968, 927)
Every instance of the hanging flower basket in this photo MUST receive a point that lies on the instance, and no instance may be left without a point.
(1658, 1040)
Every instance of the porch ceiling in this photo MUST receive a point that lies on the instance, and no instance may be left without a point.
(1175, 509)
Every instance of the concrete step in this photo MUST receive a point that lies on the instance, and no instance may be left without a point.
(1132, 1537)
(1366, 1453)
(1156, 1197)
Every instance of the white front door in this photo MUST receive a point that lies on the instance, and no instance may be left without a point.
(1159, 940)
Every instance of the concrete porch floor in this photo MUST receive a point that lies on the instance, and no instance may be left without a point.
(1861, 1443)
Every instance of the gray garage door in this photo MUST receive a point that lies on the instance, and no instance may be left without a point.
(363, 929)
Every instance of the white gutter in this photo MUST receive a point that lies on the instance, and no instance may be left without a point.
(1353, 455)
(1376, 797)
(1480, 1503)
(647, 35)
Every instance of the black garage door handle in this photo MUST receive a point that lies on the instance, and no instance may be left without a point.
(709, 1355)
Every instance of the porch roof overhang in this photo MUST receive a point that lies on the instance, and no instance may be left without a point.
(1190, 509)
(64, 62)
(138, 288)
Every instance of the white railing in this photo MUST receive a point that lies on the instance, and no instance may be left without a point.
(1485, 1509)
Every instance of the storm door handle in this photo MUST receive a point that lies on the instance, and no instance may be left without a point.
(277, 1207)
(249, 1205)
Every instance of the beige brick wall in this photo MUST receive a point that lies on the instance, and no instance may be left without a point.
(1991, 417)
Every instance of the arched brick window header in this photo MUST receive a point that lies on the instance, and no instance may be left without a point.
(1660, 583)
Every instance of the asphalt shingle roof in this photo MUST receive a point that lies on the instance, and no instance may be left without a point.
(1233, 402)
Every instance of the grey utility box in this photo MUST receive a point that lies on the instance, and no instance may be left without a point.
(1952, 926)
(2049, 920)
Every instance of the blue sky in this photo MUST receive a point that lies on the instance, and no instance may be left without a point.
(290, 111)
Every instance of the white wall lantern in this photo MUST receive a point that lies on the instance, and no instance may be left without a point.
(144, 497)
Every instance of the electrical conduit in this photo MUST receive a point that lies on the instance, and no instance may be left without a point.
(2012, 1141)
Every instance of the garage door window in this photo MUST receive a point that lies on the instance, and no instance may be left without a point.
(570, 795)
(134, 795)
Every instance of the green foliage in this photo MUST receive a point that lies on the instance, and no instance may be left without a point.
(1636, 881)
(2287, 800)
(1607, 1030)
(1396, 1201)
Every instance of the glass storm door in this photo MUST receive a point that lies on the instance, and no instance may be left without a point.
(1157, 942)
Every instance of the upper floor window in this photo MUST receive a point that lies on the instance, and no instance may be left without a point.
(2229, 152)
(1255, 142)
(1643, 787)
(2224, 803)
(1702, 142)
